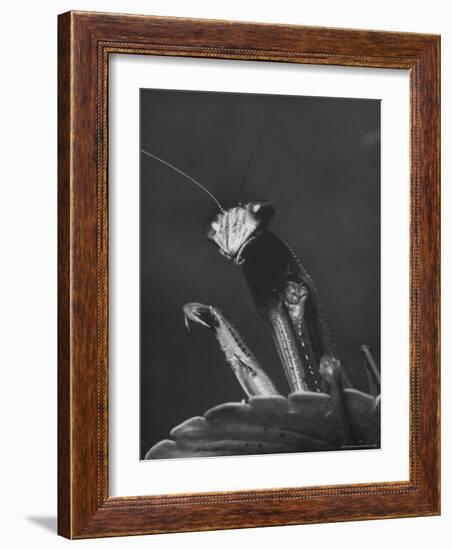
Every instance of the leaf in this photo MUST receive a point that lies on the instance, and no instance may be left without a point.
(302, 422)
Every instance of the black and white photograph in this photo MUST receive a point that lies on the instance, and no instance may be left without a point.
(260, 275)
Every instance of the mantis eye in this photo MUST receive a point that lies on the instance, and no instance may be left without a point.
(211, 227)
(262, 211)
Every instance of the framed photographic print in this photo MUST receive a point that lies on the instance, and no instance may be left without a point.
(248, 274)
(300, 167)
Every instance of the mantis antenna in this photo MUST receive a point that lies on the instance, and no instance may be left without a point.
(185, 175)
(256, 146)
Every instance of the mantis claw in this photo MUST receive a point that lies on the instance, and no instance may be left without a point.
(250, 375)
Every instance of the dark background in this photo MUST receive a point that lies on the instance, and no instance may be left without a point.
(319, 165)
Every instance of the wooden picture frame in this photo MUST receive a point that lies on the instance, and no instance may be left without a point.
(86, 40)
